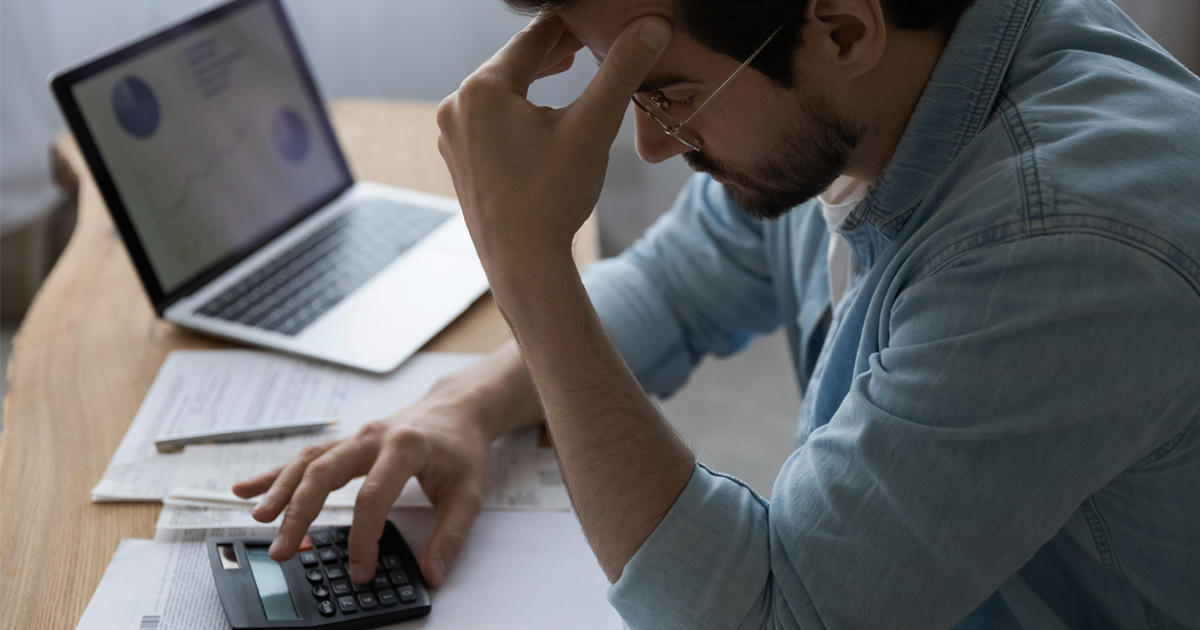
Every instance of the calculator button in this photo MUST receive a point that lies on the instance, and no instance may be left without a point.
(320, 592)
(341, 587)
(347, 605)
(380, 581)
(387, 597)
(407, 594)
(328, 555)
(320, 539)
(345, 551)
(325, 608)
(335, 572)
(367, 601)
(361, 588)
(339, 537)
(399, 578)
(308, 558)
(306, 544)
(391, 561)
(314, 576)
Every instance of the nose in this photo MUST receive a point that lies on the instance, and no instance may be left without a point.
(653, 145)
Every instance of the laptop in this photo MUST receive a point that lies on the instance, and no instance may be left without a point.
(211, 146)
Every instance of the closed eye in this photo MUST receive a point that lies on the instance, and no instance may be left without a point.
(670, 104)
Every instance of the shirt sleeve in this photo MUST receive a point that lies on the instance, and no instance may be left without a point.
(698, 282)
(1013, 383)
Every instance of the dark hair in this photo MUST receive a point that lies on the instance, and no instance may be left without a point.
(736, 28)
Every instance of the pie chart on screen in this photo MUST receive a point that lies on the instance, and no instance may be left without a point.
(136, 107)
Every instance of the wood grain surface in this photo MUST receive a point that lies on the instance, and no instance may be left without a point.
(90, 346)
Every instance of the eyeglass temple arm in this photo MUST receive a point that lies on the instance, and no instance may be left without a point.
(731, 77)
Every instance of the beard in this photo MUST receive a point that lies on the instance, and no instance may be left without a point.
(799, 167)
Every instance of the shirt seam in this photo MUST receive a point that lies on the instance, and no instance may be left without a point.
(1164, 449)
(1100, 536)
(1005, 235)
(1027, 162)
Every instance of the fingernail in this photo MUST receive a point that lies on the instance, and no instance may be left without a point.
(655, 34)
(360, 573)
(278, 544)
(262, 503)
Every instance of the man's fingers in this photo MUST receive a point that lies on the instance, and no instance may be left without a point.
(280, 490)
(456, 514)
(629, 60)
(326, 473)
(393, 467)
(558, 68)
(525, 54)
(251, 488)
(563, 51)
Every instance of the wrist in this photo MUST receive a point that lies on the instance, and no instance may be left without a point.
(530, 271)
(495, 396)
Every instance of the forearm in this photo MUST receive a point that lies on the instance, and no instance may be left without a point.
(623, 464)
(527, 177)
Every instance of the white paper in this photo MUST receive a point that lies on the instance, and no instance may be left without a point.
(518, 570)
(206, 390)
(183, 515)
(205, 473)
(521, 476)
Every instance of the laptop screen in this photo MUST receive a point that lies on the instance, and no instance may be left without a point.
(214, 139)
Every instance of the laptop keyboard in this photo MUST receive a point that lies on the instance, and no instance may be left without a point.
(293, 290)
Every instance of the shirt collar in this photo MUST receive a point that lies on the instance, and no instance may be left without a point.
(954, 107)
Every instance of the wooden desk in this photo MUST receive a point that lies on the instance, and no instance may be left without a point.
(90, 347)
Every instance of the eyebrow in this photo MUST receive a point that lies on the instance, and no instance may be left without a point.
(654, 84)
(664, 81)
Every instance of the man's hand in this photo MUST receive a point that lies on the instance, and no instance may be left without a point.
(429, 441)
(527, 177)
(443, 441)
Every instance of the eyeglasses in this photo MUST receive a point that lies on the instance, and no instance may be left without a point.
(658, 107)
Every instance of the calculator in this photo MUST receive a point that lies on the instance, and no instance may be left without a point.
(313, 589)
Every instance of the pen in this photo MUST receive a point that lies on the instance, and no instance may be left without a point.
(173, 443)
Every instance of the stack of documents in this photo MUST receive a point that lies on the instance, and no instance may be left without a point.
(518, 570)
(210, 390)
(525, 565)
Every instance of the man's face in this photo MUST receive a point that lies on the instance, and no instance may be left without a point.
(772, 148)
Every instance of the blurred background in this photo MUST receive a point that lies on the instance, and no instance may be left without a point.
(409, 49)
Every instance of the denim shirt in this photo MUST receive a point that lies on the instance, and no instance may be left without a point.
(999, 423)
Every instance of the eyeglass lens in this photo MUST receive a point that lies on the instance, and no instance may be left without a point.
(668, 121)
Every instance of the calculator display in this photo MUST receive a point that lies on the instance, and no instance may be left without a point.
(272, 586)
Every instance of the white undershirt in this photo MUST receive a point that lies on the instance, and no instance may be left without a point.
(837, 202)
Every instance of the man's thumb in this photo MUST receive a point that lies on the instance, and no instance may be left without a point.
(630, 58)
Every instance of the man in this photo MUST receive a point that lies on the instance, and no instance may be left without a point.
(999, 342)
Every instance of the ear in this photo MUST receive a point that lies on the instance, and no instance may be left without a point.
(847, 37)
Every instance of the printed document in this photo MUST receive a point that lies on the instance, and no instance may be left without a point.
(521, 476)
(205, 390)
